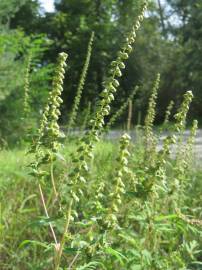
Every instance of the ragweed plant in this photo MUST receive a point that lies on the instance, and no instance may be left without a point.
(181, 115)
(26, 104)
(77, 99)
(179, 126)
(76, 178)
(86, 145)
(168, 112)
(49, 131)
(115, 197)
(111, 83)
(47, 143)
(175, 185)
(150, 140)
(121, 110)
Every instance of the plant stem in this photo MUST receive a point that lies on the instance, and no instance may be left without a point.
(73, 261)
(47, 215)
(53, 181)
(62, 242)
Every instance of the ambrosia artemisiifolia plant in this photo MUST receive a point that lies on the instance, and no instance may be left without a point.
(151, 113)
(168, 112)
(49, 132)
(182, 112)
(115, 197)
(77, 177)
(77, 99)
(179, 126)
(149, 137)
(84, 150)
(111, 83)
(26, 104)
(47, 143)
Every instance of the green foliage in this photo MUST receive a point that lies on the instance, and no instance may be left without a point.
(15, 48)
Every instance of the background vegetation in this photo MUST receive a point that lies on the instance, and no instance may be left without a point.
(169, 42)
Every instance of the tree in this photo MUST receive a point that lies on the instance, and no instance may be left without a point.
(186, 64)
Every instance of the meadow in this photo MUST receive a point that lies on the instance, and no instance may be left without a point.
(80, 201)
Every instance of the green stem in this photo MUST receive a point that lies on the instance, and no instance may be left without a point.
(62, 242)
(53, 180)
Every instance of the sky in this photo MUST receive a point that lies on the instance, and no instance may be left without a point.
(48, 5)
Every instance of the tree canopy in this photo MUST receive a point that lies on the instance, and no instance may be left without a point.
(170, 42)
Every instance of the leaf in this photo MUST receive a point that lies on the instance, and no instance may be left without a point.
(43, 221)
(33, 242)
(115, 253)
(147, 256)
(162, 217)
(70, 250)
(60, 157)
(91, 266)
(136, 267)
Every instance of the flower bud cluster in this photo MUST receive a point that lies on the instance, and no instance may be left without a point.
(48, 133)
(149, 137)
(112, 82)
(151, 113)
(26, 104)
(115, 196)
(168, 112)
(81, 84)
(181, 115)
(49, 130)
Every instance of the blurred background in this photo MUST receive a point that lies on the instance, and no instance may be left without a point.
(169, 42)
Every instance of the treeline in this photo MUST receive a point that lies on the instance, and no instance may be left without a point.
(169, 42)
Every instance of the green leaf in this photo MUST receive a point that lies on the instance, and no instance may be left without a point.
(43, 221)
(34, 243)
(91, 266)
(69, 250)
(115, 253)
(162, 217)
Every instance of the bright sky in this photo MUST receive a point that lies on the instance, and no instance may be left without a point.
(48, 5)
